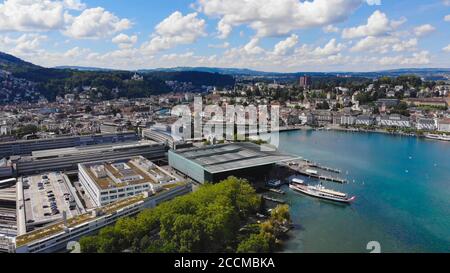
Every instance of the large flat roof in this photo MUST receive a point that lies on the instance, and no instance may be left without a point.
(125, 172)
(91, 148)
(229, 157)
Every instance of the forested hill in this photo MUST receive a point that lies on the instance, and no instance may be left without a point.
(52, 82)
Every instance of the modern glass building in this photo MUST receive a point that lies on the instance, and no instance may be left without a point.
(214, 163)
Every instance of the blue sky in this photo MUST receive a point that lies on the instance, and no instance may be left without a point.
(269, 35)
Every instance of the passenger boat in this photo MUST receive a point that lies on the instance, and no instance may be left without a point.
(321, 192)
(438, 137)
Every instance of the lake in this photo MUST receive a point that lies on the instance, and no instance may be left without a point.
(402, 186)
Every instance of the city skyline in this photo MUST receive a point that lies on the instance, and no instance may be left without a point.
(279, 36)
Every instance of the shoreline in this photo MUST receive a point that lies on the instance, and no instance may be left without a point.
(354, 130)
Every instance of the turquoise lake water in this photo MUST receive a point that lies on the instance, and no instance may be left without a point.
(402, 186)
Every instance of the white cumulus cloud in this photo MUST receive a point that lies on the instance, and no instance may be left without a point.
(424, 30)
(384, 44)
(285, 46)
(419, 58)
(96, 23)
(32, 15)
(330, 29)
(176, 30)
(277, 17)
(125, 41)
(447, 48)
(377, 24)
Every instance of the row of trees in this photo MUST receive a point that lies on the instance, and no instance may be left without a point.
(216, 218)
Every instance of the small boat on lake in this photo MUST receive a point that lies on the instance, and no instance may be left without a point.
(321, 192)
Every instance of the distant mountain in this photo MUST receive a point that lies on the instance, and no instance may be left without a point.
(429, 73)
(227, 71)
(197, 78)
(85, 68)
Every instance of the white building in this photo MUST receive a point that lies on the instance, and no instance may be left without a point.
(444, 125)
(5, 130)
(306, 118)
(427, 124)
(108, 182)
(56, 237)
(365, 120)
(348, 120)
(394, 121)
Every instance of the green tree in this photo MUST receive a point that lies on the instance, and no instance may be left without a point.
(208, 220)
(257, 243)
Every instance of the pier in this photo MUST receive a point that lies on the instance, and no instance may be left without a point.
(323, 177)
(317, 166)
(303, 167)
(268, 198)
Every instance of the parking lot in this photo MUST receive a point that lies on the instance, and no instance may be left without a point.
(46, 197)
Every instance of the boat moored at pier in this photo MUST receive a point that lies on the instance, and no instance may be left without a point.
(321, 192)
(438, 137)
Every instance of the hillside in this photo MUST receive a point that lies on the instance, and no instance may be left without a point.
(52, 82)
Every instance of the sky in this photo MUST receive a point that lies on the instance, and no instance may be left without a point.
(264, 35)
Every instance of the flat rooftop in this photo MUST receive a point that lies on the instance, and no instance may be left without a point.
(105, 211)
(43, 191)
(125, 172)
(230, 157)
(90, 149)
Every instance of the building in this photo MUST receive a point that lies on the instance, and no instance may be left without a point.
(348, 120)
(337, 118)
(26, 147)
(55, 237)
(444, 125)
(137, 77)
(387, 102)
(69, 158)
(394, 120)
(109, 181)
(164, 136)
(111, 128)
(323, 117)
(5, 130)
(365, 120)
(217, 162)
(427, 124)
(305, 82)
(433, 102)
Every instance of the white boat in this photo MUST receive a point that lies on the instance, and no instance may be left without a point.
(443, 137)
(313, 172)
(321, 192)
(297, 181)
